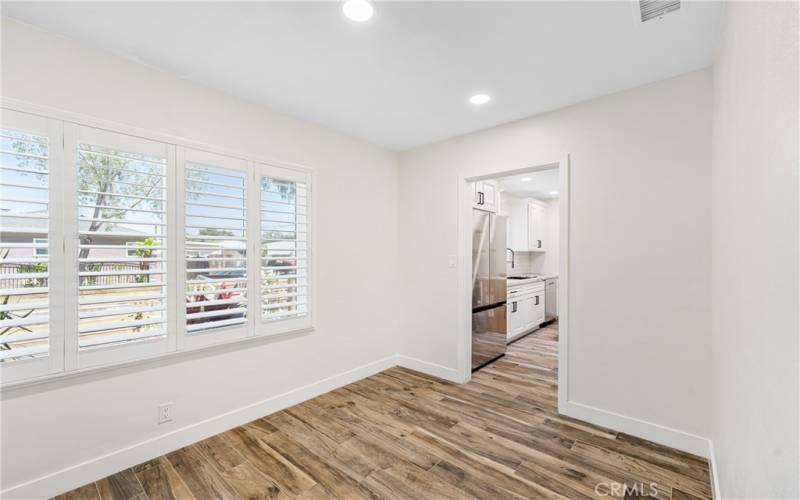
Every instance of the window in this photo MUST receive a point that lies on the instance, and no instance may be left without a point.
(120, 214)
(284, 246)
(215, 243)
(144, 248)
(38, 249)
(24, 226)
(131, 248)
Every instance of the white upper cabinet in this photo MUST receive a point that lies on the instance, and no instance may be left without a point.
(526, 224)
(485, 196)
(517, 223)
(536, 218)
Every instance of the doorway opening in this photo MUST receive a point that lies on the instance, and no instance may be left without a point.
(513, 283)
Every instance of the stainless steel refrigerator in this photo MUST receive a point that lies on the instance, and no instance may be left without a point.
(488, 287)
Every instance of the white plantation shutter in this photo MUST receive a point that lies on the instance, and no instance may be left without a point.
(31, 257)
(285, 251)
(115, 247)
(215, 242)
(120, 253)
(24, 253)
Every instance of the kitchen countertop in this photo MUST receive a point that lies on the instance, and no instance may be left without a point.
(536, 279)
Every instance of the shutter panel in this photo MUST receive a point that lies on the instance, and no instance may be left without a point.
(215, 246)
(284, 249)
(122, 243)
(24, 248)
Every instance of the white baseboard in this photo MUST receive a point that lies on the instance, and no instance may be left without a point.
(712, 464)
(77, 475)
(667, 436)
(427, 368)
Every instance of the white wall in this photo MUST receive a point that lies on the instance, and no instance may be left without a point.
(52, 427)
(755, 252)
(640, 246)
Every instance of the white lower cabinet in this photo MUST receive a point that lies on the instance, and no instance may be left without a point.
(538, 308)
(525, 309)
(515, 317)
(529, 306)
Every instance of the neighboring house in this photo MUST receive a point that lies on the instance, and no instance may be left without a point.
(17, 230)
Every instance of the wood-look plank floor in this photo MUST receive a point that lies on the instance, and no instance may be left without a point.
(401, 434)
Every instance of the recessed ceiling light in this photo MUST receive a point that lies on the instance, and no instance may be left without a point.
(525, 179)
(553, 193)
(480, 99)
(358, 10)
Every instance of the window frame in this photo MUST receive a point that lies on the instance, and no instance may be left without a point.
(64, 359)
(53, 362)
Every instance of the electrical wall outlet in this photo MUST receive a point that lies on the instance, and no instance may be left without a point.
(165, 413)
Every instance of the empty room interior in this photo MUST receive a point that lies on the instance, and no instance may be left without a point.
(416, 250)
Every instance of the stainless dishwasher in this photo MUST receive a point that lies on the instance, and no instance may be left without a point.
(550, 300)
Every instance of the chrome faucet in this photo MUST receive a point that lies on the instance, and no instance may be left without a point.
(512, 257)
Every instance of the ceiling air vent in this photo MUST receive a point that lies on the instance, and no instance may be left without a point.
(656, 9)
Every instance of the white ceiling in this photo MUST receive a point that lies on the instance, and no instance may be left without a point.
(403, 78)
(542, 185)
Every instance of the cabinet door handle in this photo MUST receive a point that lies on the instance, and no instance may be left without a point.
(540, 244)
(513, 307)
(537, 301)
(482, 199)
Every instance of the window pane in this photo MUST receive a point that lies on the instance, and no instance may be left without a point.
(24, 256)
(284, 251)
(216, 242)
(122, 246)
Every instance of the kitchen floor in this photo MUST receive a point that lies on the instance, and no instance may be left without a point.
(401, 434)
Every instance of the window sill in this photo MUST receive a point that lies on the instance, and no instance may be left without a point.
(196, 352)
